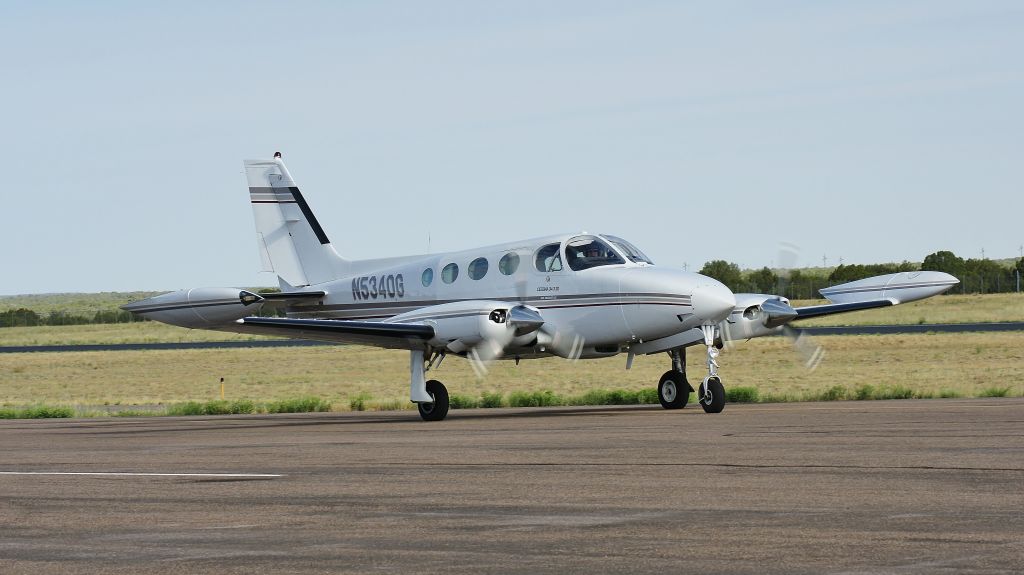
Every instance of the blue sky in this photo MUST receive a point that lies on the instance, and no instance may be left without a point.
(870, 131)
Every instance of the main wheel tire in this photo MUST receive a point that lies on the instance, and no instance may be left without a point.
(717, 402)
(673, 390)
(437, 409)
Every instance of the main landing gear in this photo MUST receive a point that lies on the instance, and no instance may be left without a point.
(674, 390)
(435, 410)
(430, 397)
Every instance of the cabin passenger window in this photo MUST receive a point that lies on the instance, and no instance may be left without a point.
(428, 277)
(509, 263)
(586, 252)
(449, 273)
(548, 259)
(478, 268)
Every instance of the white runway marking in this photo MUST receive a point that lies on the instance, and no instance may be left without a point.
(128, 474)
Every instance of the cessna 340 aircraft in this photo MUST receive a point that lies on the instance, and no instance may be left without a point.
(577, 296)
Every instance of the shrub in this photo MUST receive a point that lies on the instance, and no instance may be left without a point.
(741, 395)
(462, 402)
(897, 392)
(494, 399)
(217, 407)
(544, 398)
(358, 403)
(299, 405)
(834, 393)
(647, 396)
(36, 412)
(187, 408)
(995, 392)
(864, 392)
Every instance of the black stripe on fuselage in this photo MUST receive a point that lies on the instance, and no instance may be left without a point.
(352, 312)
(541, 302)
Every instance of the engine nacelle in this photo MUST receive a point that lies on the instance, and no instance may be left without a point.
(198, 307)
(459, 326)
(757, 315)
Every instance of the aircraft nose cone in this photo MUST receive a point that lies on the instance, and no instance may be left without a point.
(712, 301)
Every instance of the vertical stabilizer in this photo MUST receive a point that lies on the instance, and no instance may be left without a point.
(291, 241)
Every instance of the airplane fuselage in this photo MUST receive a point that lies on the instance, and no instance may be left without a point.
(608, 305)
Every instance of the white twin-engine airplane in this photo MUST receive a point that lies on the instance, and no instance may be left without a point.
(577, 296)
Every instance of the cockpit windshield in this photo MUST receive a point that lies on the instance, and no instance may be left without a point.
(585, 252)
(630, 251)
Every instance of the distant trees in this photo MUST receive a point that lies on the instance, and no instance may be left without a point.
(24, 317)
(725, 272)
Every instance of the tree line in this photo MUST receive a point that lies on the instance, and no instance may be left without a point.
(975, 275)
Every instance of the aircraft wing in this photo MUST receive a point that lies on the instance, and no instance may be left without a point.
(879, 291)
(808, 312)
(378, 334)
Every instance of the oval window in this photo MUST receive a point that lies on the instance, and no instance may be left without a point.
(509, 263)
(428, 277)
(478, 268)
(449, 273)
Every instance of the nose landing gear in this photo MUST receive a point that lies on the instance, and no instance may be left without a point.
(711, 393)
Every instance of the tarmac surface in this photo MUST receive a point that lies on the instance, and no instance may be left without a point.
(933, 486)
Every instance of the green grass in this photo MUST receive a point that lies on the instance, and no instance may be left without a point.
(995, 392)
(741, 395)
(36, 412)
(307, 404)
(245, 406)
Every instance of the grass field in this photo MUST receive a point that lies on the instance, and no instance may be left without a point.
(940, 309)
(931, 364)
(138, 332)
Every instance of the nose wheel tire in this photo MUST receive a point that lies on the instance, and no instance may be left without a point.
(437, 409)
(673, 390)
(712, 394)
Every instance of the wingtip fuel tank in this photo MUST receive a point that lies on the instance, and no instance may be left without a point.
(198, 307)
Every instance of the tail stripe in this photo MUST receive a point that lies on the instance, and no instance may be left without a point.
(313, 223)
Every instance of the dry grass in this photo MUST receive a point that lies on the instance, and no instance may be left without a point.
(140, 332)
(966, 364)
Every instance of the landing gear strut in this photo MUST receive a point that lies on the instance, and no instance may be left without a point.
(711, 393)
(673, 389)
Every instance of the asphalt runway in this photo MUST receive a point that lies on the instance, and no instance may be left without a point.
(933, 486)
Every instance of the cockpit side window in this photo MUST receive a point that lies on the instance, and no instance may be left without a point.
(548, 259)
(586, 252)
(630, 251)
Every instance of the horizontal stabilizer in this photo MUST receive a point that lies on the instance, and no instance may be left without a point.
(293, 296)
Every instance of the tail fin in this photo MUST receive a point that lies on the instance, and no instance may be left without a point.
(290, 239)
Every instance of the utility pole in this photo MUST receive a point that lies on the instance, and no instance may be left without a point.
(824, 261)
